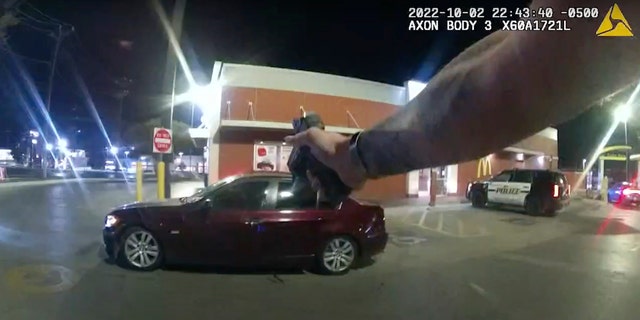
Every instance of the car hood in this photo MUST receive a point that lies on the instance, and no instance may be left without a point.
(151, 204)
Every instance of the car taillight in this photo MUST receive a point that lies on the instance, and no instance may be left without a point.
(556, 190)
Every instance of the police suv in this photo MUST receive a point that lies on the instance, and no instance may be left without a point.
(539, 192)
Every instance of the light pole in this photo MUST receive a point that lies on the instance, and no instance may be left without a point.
(54, 61)
(622, 114)
(169, 82)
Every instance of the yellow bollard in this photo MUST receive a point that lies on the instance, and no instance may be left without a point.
(160, 174)
(139, 177)
(604, 187)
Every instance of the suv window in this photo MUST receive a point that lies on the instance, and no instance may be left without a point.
(286, 200)
(249, 195)
(503, 176)
(524, 176)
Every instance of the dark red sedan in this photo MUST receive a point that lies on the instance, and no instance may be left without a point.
(246, 220)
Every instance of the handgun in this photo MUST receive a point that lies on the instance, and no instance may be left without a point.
(302, 160)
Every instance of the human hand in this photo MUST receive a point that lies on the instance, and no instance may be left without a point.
(332, 149)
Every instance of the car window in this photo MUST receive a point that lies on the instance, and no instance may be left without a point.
(543, 177)
(523, 176)
(286, 200)
(503, 176)
(249, 195)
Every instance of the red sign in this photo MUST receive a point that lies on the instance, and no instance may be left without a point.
(162, 140)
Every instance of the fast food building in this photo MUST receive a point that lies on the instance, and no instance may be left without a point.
(250, 109)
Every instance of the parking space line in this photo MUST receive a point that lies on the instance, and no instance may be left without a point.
(541, 262)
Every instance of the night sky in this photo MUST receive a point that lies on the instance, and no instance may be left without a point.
(116, 40)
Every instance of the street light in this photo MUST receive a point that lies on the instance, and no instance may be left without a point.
(114, 150)
(63, 143)
(204, 96)
(622, 114)
(126, 154)
(49, 147)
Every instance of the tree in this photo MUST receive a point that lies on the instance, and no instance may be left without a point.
(140, 135)
(6, 20)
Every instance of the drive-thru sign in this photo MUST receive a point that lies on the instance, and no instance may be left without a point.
(162, 140)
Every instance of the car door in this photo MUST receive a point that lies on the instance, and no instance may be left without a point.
(519, 187)
(496, 187)
(224, 234)
(292, 229)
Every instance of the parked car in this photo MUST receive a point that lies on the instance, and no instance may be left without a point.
(246, 220)
(537, 191)
(624, 193)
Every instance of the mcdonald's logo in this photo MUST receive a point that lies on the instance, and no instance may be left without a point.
(484, 167)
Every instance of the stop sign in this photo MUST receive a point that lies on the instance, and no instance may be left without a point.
(162, 140)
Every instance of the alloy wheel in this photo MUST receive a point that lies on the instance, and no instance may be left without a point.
(141, 249)
(339, 255)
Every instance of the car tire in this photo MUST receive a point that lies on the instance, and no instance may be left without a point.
(533, 206)
(478, 200)
(140, 250)
(337, 256)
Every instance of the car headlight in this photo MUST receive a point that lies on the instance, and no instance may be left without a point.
(110, 221)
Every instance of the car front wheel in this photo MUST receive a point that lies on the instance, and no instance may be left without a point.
(338, 256)
(140, 250)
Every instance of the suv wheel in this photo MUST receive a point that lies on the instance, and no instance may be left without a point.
(478, 200)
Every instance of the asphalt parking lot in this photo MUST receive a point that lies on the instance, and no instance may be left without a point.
(453, 262)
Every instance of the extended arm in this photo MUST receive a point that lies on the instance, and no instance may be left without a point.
(502, 90)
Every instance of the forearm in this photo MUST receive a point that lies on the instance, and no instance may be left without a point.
(505, 93)
(392, 146)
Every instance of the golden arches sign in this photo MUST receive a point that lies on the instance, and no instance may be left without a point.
(609, 153)
(484, 167)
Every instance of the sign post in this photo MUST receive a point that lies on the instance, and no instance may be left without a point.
(162, 144)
